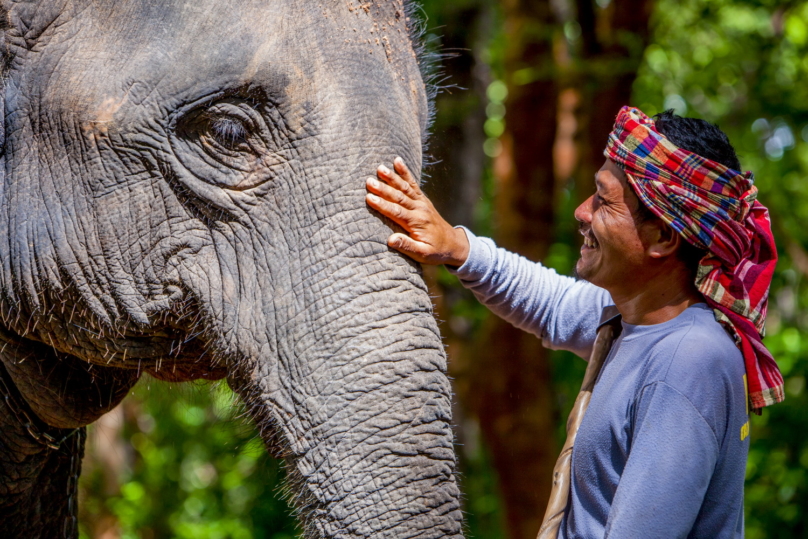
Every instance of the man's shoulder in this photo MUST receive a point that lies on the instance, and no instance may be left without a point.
(697, 359)
(708, 368)
(705, 347)
(697, 354)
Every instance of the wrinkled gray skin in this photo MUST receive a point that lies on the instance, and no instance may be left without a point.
(183, 196)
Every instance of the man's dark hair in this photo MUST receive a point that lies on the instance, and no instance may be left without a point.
(698, 136)
(702, 138)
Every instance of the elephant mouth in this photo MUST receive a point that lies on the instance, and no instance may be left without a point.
(174, 347)
(178, 352)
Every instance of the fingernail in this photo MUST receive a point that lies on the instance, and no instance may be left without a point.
(373, 182)
(398, 160)
(373, 198)
(384, 170)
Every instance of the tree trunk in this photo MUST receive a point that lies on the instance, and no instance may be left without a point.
(502, 374)
(614, 40)
(511, 391)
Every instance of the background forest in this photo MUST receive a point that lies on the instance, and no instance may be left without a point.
(529, 92)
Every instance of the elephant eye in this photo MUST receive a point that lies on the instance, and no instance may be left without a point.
(226, 131)
(229, 142)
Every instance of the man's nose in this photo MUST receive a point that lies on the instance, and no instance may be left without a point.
(583, 213)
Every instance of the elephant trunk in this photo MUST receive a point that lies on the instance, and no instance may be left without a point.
(377, 458)
(352, 391)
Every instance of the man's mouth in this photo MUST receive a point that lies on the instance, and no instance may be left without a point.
(590, 243)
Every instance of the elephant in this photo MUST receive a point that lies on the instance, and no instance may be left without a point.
(182, 197)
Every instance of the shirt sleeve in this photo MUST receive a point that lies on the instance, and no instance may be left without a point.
(671, 460)
(561, 311)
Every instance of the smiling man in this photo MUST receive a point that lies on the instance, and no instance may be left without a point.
(675, 240)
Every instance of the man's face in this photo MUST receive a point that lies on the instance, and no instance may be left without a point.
(614, 250)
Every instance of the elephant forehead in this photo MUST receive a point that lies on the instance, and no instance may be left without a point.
(99, 62)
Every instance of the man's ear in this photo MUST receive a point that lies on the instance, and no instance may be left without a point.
(664, 241)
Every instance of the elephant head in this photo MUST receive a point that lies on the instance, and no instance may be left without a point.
(183, 197)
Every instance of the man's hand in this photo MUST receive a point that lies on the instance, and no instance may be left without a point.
(431, 239)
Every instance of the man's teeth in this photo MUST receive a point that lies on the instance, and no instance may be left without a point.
(590, 242)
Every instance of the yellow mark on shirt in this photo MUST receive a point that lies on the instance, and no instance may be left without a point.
(744, 431)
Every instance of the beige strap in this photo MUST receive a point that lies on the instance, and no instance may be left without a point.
(560, 493)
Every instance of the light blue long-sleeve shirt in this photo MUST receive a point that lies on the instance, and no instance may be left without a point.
(661, 452)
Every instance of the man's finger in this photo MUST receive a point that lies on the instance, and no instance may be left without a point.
(396, 181)
(390, 193)
(404, 172)
(397, 213)
(414, 249)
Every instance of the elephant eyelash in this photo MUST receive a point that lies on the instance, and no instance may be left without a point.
(228, 131)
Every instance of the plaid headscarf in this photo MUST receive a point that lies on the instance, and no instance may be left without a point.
(714, 208)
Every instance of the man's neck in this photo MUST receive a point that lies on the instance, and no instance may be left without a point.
(657, 300)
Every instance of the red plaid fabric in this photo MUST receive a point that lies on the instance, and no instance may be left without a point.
(714, 208)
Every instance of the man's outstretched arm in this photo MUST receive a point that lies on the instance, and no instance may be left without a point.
(562, 312)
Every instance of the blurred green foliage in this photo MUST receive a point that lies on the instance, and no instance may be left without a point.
(199, 470)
